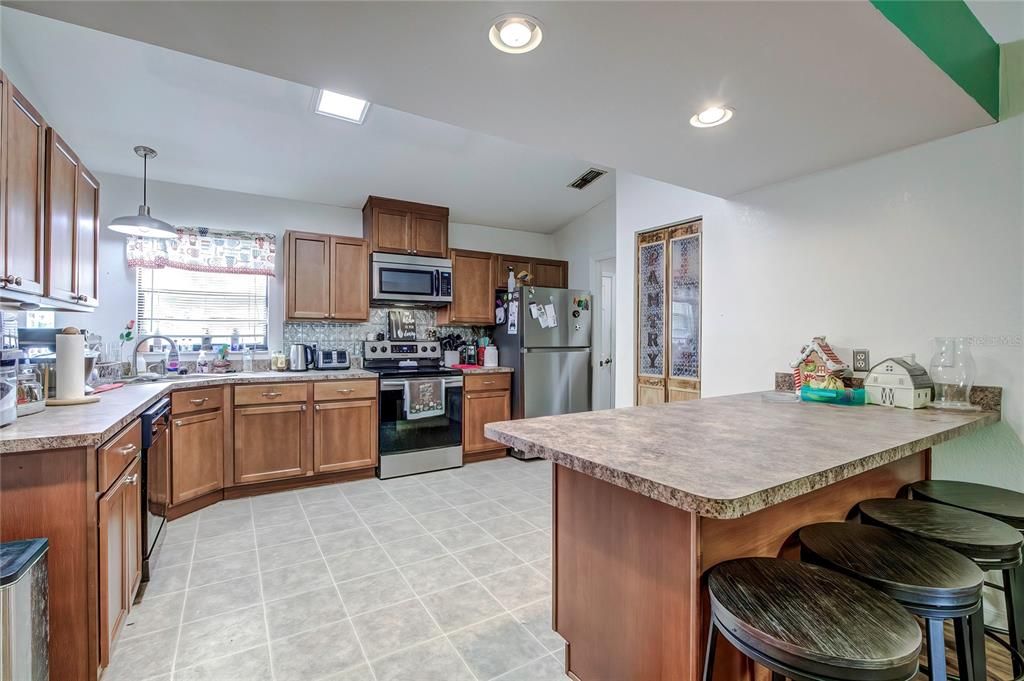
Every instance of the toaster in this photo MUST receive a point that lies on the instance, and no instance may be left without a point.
(331, 359)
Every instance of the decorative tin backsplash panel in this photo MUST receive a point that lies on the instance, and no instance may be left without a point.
(685, 329)
(652, 306)
(337, 336)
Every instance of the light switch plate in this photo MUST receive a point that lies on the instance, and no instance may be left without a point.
(861, 359)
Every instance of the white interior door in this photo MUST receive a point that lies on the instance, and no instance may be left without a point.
(604, 337)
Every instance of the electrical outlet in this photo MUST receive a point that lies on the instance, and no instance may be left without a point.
(861, 360)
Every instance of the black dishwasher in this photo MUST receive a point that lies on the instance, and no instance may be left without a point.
(155, 476)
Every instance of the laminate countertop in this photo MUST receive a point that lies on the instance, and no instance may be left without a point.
(727, 457)
(85, 425)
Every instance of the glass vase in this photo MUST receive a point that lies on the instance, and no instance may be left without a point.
(952, 371)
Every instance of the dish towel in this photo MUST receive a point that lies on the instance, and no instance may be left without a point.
(424, 398)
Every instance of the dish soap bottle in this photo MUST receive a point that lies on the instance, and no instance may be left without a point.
(203, 362)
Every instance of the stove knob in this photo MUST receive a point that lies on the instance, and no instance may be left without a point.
(423, 349)
(373, 348)
(433, 348)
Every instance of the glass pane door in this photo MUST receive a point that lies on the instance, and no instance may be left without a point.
(685, 292)
(651, 305)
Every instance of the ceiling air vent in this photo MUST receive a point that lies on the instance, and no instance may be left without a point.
(584, 180)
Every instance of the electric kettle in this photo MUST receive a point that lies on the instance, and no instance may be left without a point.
(300, 357)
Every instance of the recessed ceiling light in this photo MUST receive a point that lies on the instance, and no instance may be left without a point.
(336, 105)
(515, 33)
(710, 117)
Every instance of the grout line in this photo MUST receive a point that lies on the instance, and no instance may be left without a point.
(184, 603)
(323, 558)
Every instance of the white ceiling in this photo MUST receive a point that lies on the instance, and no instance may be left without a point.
(1003, 19)
(814, 84)
(224, 127)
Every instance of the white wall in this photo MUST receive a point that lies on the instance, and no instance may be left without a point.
(884, 254)
(588, 238)
(189, 205)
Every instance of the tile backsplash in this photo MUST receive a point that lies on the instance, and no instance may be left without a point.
(342, 336)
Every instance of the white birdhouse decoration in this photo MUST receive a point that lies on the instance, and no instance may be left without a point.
(899, 382)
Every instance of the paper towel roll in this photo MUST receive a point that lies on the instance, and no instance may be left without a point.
(70, 366)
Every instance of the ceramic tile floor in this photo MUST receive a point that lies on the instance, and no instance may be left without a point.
(437, 577)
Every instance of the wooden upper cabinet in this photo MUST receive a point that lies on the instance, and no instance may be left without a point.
(24, 152)
(87, 239)
(326, 277)
(543, 272)
(517, 263)
(308, 275)
(430, 235)
(270, 442)
(350, 279)
(550, 273)
(473, 284)
(393, 226)
(62, 167)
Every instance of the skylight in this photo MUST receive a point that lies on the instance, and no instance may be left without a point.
(341, 106)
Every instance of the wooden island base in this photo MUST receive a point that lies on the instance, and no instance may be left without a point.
(628, 593)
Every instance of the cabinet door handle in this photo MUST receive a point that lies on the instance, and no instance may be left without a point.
(271, 395)
(302, 407)
(177, 423)
(131, 479)
(316, 407)
(488, 382)
(127, 449)
(199, 401)
(326, 315)
(346, 390)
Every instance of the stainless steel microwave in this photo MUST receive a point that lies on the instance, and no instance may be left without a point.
(410, 279)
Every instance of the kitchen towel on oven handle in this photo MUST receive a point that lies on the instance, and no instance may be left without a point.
(424, 397)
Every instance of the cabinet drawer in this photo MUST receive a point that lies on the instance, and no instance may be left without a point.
(200, 399)
(344, 390)
(114, 456)
(270, 393)
(474, 382)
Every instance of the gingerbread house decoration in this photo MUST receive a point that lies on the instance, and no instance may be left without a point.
(899, 382)
(818, 366)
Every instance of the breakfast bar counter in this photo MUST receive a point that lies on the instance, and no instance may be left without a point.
(647, 499)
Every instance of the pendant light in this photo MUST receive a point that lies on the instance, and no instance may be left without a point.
(143, 224)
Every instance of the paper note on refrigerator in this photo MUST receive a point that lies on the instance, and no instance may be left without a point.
(549, 314)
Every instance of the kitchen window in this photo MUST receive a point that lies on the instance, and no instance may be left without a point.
(185, 305)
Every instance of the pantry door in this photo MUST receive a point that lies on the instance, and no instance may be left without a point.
(668, 314)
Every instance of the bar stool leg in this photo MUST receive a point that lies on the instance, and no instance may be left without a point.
(1013, 589)
(964, 658)
(709, 655)
(936, 650)
(976, 628)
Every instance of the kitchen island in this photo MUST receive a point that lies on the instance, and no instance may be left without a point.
(647, 499)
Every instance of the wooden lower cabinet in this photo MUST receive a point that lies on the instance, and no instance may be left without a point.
(344, 435)
(197, 455)
(120, 554)
(481, 407)
(270, 442)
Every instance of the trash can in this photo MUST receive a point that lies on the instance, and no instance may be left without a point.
(24, 616)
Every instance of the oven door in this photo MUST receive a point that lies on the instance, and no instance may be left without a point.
(411, 283)
(399, 435)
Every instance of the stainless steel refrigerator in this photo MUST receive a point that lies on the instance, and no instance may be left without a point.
(549, 353)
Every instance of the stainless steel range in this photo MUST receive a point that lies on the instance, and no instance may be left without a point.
(420, 407)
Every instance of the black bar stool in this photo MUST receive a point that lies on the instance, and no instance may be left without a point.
(807, 623)
(1004, 505)
(989, 543)
(929, 580)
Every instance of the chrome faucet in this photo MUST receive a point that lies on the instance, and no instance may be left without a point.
(172, 357)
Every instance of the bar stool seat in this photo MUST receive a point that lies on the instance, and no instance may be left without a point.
(991, 544)
(930, 580)
(804, 622)
(995, 502)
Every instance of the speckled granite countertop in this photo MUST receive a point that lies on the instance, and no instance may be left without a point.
(488, 370)
(726, 457)
(92, 424)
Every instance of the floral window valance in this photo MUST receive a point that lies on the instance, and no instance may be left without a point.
(205, 250)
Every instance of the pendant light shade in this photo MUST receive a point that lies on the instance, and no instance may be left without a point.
(143, 224)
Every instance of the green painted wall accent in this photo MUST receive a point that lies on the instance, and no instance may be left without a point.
(1011, 90)
(951, 36)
